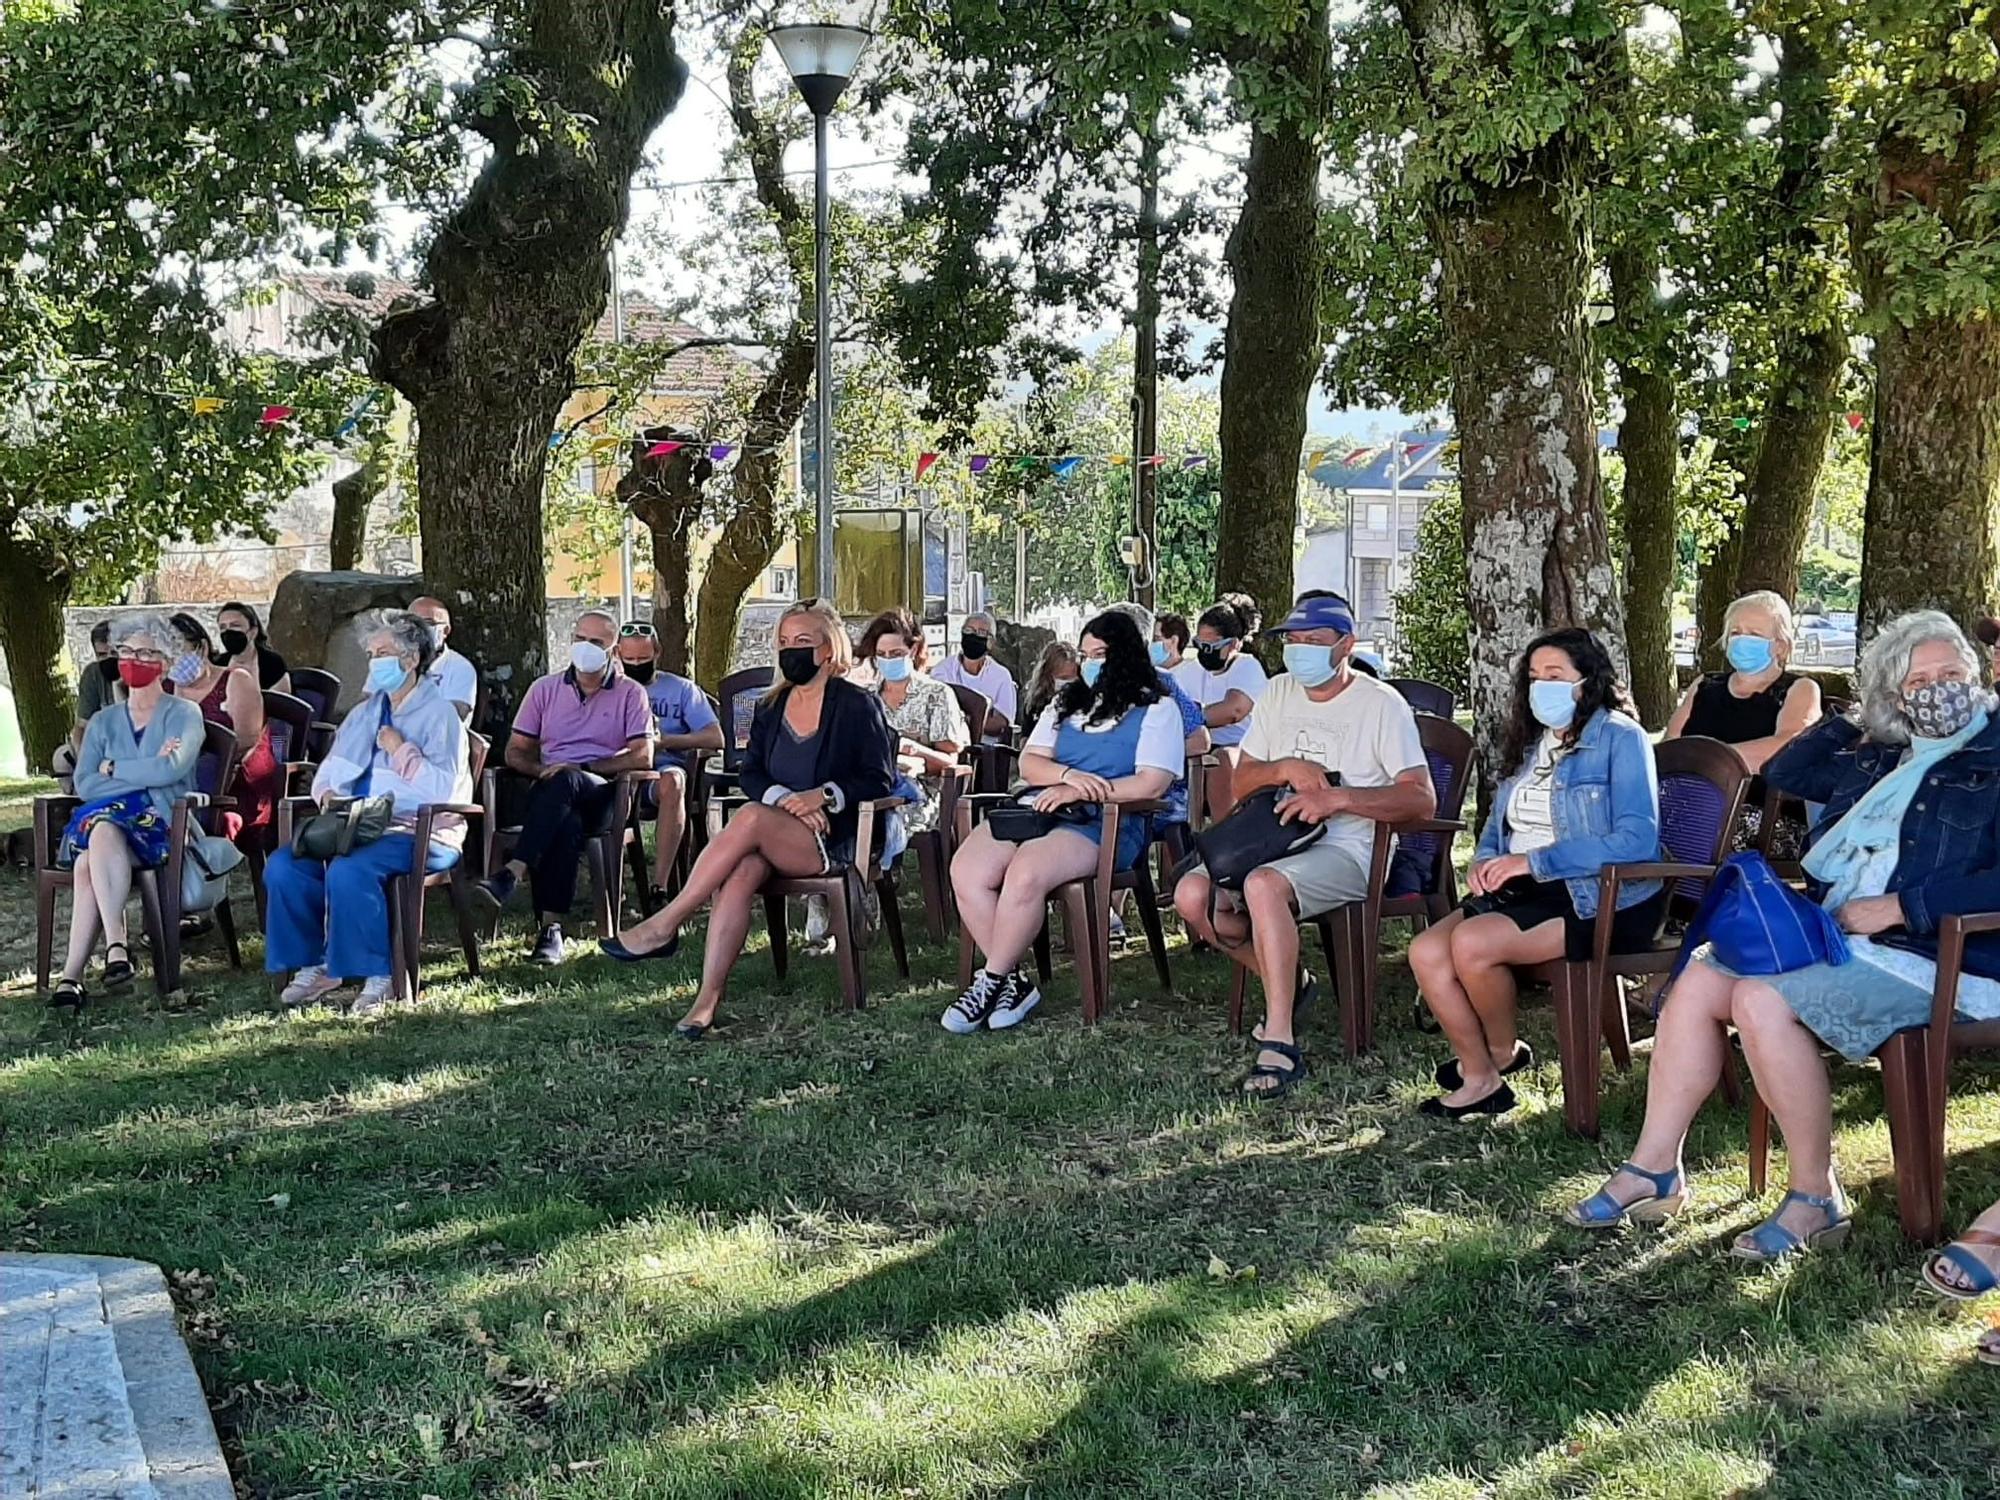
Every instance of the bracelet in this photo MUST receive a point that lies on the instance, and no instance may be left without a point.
(1064, 778)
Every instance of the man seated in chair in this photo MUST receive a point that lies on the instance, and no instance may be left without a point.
(684, 727)
(450, 673)
(1320, 716)
(577, 730)
(96, 686)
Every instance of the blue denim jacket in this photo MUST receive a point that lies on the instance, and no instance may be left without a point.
(1605, 800)
(1950, 861)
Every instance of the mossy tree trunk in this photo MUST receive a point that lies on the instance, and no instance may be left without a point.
(1649, 440)
(33, 590)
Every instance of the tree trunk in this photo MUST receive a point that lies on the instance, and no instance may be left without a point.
(352, 496)
(1649, 439)
(1812, 339)
(1272, 348)
(519, 277)
(666, 496)
(1715, 586)
(33, 592)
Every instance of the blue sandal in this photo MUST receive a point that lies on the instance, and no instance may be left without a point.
(1602, 1211)
(1980, 1278)
(1771, 1241)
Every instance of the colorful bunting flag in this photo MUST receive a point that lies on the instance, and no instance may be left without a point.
(275, 416)
(719, 452)
(1354, 458)
(1026, 462)
(555, 440)
(1410, 450)
(661, 450)
(354, 417)
(1153, 461)
(1855, 421)
(207, 406)
(1194, 460)
(1314, 458)
(604, 444)
(1062, 468)
(980, 463)
(1119, 460)
(1741, 424)
(924, 463)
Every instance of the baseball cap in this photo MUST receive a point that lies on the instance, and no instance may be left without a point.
(1327, 612)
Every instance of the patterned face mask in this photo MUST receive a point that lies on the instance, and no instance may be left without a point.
(1939, 710)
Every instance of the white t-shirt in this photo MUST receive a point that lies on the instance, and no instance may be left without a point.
(994, 680)
(1531, 824)
(455, 677)
(1244, 674)
(1162, 742)
(1366, 732)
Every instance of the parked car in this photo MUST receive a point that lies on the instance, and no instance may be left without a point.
(1823, 642)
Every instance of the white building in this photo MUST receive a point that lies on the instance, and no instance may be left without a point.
(1387, 488)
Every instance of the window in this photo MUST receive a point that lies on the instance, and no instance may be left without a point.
(784, 584)
(1378, 519)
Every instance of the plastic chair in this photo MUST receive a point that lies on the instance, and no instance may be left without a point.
(605, 854)
(1426, 697)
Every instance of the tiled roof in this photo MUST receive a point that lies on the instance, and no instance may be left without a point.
(698, 372)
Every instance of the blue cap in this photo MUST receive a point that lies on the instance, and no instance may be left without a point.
(1327, 612)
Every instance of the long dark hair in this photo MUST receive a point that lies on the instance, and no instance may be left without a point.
(192, 631)
(1128, 679)
(1234, 617)
(1600, 689)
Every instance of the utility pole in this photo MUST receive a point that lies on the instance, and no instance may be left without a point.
(1146, 374)
(625, 518)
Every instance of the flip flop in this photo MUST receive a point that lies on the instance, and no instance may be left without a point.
(1983, 1278)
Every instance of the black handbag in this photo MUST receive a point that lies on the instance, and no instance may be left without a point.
(1252, 836)
(1018, 822)
(347, 824)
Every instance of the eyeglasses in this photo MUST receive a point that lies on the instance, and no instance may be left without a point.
(638, 628)
(126, 653)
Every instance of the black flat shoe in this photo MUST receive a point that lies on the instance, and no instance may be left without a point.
(691, 1031)
(614, 947)
(1450, 1077)
(117, 973)
(68, 992)
(1496, 1103)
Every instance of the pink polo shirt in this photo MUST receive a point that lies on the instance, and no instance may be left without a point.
(575, 729)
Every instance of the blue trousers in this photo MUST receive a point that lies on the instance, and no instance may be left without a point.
(336, 912)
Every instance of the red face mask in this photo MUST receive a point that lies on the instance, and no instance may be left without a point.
(138, 674)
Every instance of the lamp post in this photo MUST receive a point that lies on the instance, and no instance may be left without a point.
(821, 59)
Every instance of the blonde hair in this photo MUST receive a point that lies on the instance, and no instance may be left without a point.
(1773, 604)
(832, 635)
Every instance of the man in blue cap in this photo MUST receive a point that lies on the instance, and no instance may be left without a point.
(1319, 716)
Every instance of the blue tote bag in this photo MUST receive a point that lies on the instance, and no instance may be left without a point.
(1758, 924)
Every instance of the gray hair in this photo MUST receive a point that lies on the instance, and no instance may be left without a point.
(1137, 613)
(409, 634)
(600, 614)
(979, 614)
(154, 629)
(1773, 604)
(1879, 681)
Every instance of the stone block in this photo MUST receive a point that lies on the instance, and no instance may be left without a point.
(312, 621)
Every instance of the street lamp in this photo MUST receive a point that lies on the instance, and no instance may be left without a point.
(822, 58)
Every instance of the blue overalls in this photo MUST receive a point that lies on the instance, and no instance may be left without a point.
(1109, 752)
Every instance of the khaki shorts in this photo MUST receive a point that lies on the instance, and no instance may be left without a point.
(1322, 877)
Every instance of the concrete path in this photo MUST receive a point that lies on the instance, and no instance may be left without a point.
(98, 1398)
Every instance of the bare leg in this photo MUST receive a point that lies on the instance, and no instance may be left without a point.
(111, 878)
(1437, 982)
(978, 870)
(784, 843)
(672, 826)
(1036, 869)
(82, 919)
(1229, 931)
(1483, 951)
(728, 926)
(1785, 1061)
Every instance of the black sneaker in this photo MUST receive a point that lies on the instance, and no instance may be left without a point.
(499, 888)
(969, 1011)
(548, 947)
(1017, 999)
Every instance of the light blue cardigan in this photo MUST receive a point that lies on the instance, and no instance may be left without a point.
(140, 765)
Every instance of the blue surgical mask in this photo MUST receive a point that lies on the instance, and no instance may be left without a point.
(1749, 654)
(1160, 653)
(1090, 667)
(385, 674)
(893, 668)
(1552, 703)
(1312, 665)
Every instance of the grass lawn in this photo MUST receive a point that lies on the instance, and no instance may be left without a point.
(524, 1242)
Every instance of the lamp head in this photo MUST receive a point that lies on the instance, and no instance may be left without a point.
(822, 58)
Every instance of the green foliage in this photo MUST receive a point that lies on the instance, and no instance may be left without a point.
(1433, 630)
(1827, 580)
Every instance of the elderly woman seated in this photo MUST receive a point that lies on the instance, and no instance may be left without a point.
(329, 919)
(1910, 835)
(138, 757)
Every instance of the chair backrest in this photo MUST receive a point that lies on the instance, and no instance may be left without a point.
(1426, 697)
(477, 747)
(320, 688)
(291, 720)
(737, 706)
(1448, 753)
(975, 705)
(1702, 786)
(219, 754)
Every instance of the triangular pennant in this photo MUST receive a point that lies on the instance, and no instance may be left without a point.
(1354, 458)
(1317, 457)
(1410, 450)
(605, 443)
(207, 406)
(661, 450)
(719, 452)
(1741, 424)
(980, 463)
(555, 440)
(354, 417)
(1026, 462)
(275, 416)
(925, 462)
(1855, 421)
(1119, 460)
(1153, 462)
(1062, 468)
(1194, 460)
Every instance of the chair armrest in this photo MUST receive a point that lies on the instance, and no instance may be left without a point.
(864, 829)
(1614, 875)
(289, 809)
(1428, 825)
(51, 813)
(426, 829)
(1140, 807)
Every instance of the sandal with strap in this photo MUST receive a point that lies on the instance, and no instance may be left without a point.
(118, 973)
(1980, 1277)
(68, 992)
(1288, 1077)
(1771, 1241)
(1602, 1211)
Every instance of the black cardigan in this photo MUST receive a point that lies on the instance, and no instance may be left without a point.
(855, 750)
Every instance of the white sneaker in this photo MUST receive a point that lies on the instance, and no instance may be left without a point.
(309, 984)
(375, 995)
(969, 1011)
(1017, 998)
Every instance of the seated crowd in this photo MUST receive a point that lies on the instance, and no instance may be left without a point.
(1893, 807)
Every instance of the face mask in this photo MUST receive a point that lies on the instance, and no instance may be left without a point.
(385, 674)
(1214, 655)
(640, 671)
(108, 669)
(437, 633)
(1552, 703)
(893, 668)
(588, 656)
(1749, 654)
(188, 668)
(798, 665)
(974, 646)
(1160, 653)
(235, 642)
(1091, 668)
(1313, 666)
(138, 674)
(1939, 710)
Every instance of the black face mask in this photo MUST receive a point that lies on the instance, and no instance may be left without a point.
(974, 646)
(1212, 656)
(640, 671)
(108, 669)
(798, 665)
(235, 642)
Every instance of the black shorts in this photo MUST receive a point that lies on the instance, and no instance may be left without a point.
(1529, 903)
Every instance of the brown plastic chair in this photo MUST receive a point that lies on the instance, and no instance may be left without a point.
(1916, 1082)
(605, 854)
(934, 848)
(1426, 697)
(292, 738)
(992, 762)
(159, 890)
(320, 689)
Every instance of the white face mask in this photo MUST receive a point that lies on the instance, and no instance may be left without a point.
(588, 656)
(436, 634)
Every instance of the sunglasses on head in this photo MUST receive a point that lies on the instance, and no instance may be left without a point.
(638, 628)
